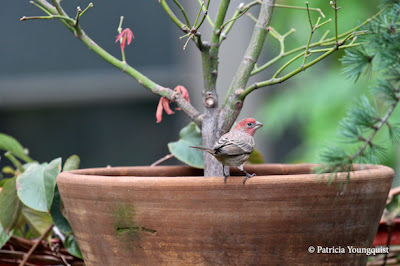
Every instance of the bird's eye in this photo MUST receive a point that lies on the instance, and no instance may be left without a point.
(249, 124)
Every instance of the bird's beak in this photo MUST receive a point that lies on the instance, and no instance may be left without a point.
(258, 125)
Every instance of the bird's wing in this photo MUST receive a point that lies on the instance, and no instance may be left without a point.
(234, 143)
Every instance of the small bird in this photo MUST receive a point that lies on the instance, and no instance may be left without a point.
(235, 147)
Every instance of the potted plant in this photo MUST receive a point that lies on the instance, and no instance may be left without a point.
(172, 215)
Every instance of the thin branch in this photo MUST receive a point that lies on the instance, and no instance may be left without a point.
(208, 17)
(288, 63)
(86, 9)
(204, 16)
(335, 8)
(170, 13)
(78, 13)
(42, 8)
(60, 11)
(240, 10)
(253, 50)
(302, 8)
(281, 39)
(163, 159)
(233, 19)
(321, 42)
(70, 20)
(183, 12)
(276, 80)
(173, 96)
(38, 241)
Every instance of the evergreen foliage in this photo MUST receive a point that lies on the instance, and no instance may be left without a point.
(380, 54)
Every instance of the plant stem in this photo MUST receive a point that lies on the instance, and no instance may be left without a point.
(253, 50)
(238, 13)
(302, 8)
(173, 17)
(321, 42)
(273, 81)
(183, 13)
(119, 29)
(208, 17)
(14, 161)
(193, 114)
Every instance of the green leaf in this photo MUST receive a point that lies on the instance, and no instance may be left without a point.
(38, 221)
(12, 145)
(55, 211)
(255, 158)
(189, 136)
(72, 163)
(72, 247)
(10, 205)
(4, 237)
(36, 185)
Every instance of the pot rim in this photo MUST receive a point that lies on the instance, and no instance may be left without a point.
(271, 173)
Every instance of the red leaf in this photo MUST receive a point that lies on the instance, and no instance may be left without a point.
(126, 36)
(159, 111)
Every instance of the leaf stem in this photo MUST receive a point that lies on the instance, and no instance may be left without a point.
(14, 161)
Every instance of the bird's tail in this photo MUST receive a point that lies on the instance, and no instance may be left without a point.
(203, 149)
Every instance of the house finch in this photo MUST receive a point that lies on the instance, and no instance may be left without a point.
(235, 147)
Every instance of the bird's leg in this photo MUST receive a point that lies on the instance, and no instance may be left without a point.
(223, 172)
(247, 174)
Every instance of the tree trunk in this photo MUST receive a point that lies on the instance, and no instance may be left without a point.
(210, 134)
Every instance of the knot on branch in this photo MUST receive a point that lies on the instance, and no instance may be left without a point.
(238, 92)
(210, 100)
(238, 104)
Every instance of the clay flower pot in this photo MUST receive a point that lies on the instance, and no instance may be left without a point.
(172, 215)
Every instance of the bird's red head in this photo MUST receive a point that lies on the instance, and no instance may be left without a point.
(248, 125)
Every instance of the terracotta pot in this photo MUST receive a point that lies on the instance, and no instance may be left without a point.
(172, 215)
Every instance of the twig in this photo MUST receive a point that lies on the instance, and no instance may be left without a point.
(321, 42)
(335, 8)
(208, 17)
(43, 9)
(303, 8)
(70, 20)
(39, 240)
(86, 9)
(174, 18)
(78, 15)
(163, 159)
(183, 12)
(253, 49)
(239, 12)
(204, 16)
(281, 39)
(193, 114)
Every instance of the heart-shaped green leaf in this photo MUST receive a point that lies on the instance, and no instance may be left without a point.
(10, 205)
(188, 136)
(35, 186)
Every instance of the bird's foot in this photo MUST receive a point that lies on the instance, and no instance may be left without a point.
(225, 176)
(247, 177)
